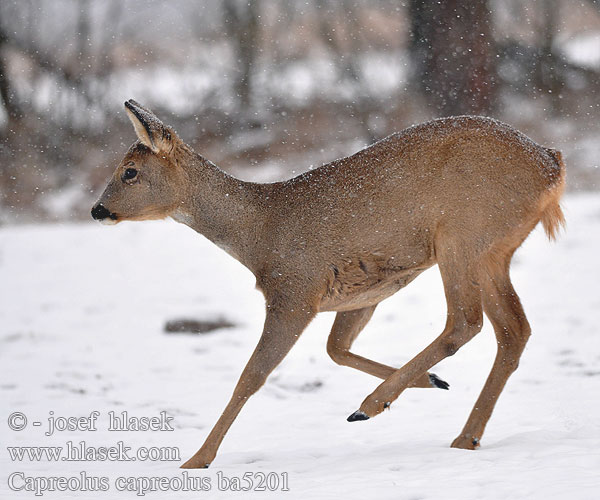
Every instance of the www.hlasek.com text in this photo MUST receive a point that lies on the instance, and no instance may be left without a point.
(82, 452)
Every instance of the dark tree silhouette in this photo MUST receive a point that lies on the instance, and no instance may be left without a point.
(241, 24)
(7, 93)
(453, 53)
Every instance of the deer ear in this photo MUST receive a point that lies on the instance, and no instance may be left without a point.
(149, 129)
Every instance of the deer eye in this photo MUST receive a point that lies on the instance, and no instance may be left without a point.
(130, 173)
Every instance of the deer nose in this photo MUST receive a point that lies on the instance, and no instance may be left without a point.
(100, 212)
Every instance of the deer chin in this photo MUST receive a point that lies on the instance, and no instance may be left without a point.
(107, 221)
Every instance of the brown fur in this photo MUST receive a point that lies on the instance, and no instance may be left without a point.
(461, 192)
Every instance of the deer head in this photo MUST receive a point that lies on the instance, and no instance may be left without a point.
(146, 185)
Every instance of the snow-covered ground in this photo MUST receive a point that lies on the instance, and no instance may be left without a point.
(82, 312)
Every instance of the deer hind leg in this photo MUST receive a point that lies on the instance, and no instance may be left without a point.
(464, 321)
(503, 307)
(281, 330)
(345, 330)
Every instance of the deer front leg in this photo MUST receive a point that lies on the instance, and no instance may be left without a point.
(282, 329)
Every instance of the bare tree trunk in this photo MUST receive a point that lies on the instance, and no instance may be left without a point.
(241, 21)
(82, 59)
(340, 31)
(7, 94)
(453, 54)
(546, 75)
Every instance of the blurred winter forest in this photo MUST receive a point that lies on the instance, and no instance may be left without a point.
(267, 88)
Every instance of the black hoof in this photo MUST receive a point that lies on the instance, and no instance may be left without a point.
(438, 382)
(185, 466)
(358, 415)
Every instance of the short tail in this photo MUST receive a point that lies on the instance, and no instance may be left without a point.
(552, 220)
(552, 216)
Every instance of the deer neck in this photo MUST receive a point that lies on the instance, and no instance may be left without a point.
(224, 209)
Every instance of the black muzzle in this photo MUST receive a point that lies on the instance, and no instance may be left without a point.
(100, 212)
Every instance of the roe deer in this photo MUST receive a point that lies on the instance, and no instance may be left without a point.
(461, 192)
